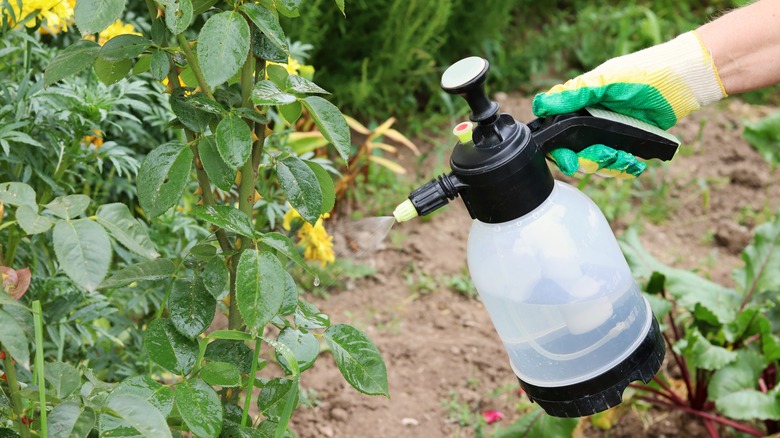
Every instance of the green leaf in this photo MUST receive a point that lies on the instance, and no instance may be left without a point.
(68, 207)
(30, 221)
(71, 60)
(301, 85)
(231, 351)
(291, 112)
(358, 359)
(660, 306)
(268, 93)
(268, 24)
(64, 378)
(304, 346)
(750, 404)
(169, 348)
(202, 102)
(223, 44)
(160, 65)
(233, 335)
(764, 136)
(160, 396)
(191, 307)
(68, 420)
(202, 6)
(252, 114)
(302, 187)
(194, 119)
(220, 174)
(263, 48)
(736, 376)
(749, 322)
(308, 316)
(158, 269)
(111, 72)
(93, 16)
(83, 251)
(126, 229)
(762, 260)
(290, 302)
(121, 47)
(277, 74)
(703, 354)
(331, 123)
(686, 287)
(259, 287)
(142, 64)
(139, 414)
(17, 194)
(215, 277)
(221, 374)
(13, 339)
(340, 5)
(537, 424)
(283, 244)
(178, 14)
(274, 396)
(234, 141)
(326, 185)
(199, 407)
(163, 176)
(224, 216)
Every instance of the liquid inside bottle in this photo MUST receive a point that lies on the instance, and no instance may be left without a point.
(558, 289)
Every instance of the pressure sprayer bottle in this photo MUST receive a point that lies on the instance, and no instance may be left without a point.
(541, 254)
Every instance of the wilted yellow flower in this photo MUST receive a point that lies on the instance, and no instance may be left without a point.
(54, 15)
(115, 29)
(317, 244)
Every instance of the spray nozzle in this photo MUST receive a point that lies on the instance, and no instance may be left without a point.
(431, 196)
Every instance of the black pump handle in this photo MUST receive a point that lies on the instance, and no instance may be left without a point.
(466, 78)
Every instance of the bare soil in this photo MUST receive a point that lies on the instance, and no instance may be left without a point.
(445, 362)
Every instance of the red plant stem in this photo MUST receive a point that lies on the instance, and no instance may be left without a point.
(669, 389)
(701, 389)
(762, 385)
(711, 429)
(686, 375)
(706, 415)
(672, 397)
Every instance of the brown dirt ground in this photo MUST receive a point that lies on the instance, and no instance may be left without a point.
(440, 348)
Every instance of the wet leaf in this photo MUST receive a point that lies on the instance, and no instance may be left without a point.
(126, 229)
(93, 16)
(230, 351)
(194, 119)
(158, 269)
(163, 176)
(233, 335)
(178, 14)
(160, 65)
(259, 287)
(358, 359)
(304, 345)
(284, 245)
(168, 348)
(71, 60)
(263, 48)
(13, 339)
(139, 414)
(234, 141)
(221, 374)
(224, 216)
(191, 307)
(17, 194)
(223, 44)
(30, 221)
(268, 24)
(326, 185)
(68, 207)
(268, 93)
(331, 123)
(83, 251)
(301, 85)
(123, 47)
(290, 302)
(220, 174)
(69, 420)
(302, 187)
(215, 277)
(275, 395)
(111, 72)
(199, 407)
(308, 316)
(160, 396)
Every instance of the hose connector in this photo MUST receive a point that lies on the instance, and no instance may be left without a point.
(435, 194)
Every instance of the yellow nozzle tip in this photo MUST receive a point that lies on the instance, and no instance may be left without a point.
(405, 211)
(463, 131)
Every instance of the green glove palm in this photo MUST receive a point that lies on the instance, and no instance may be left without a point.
(658, 85)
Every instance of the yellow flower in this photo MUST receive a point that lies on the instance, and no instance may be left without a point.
(93, 141)
(317, 244)
(292, 66)
(54, 15)
(115, 29)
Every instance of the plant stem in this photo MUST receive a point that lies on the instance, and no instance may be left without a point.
(16, 396)
(668, 389)
(207, 195)
(193, 63)
(251, 382)
(711, 429)
(706, 415)
(686, 375)
(11, 246)
(39, 365)
(671, 397)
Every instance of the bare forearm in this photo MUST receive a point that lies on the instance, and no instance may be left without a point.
(745, 45)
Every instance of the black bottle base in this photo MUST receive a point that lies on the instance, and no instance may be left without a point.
(605, 390)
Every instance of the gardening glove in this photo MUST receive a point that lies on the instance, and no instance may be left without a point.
(659, 85)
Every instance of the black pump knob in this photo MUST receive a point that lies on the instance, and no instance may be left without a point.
(466, 78)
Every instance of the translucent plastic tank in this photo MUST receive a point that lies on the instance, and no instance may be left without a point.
(559, 290)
